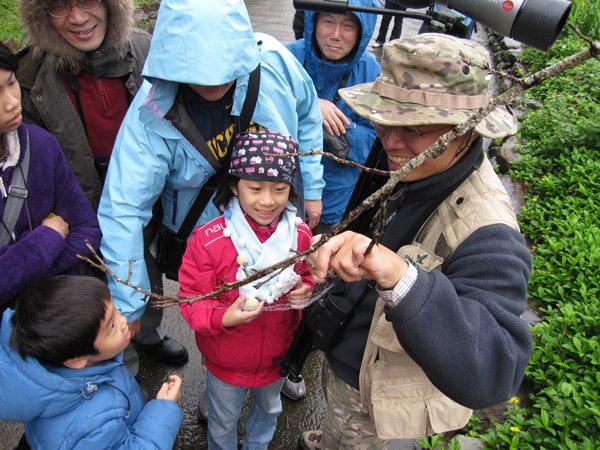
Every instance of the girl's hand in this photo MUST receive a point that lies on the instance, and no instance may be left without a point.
(57, 223)
(300, 295)
(171, 389)
(235, 315)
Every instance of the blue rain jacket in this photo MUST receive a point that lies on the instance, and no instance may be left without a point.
(96, 407)
(363, 68)
(196, 42)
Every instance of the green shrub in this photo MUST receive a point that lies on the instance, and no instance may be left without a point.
(585, 14)
(560, 167)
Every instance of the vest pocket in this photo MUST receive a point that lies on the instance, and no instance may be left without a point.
(405, 404)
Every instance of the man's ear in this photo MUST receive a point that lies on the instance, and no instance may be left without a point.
(76, 363)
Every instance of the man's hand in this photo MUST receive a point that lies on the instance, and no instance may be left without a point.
(235, 315)
(312, 210)
(345, 255)
(170, 390)
(334, 120)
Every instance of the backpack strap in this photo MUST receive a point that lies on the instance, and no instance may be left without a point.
(17, 193)
(208, 189)
(250, 100)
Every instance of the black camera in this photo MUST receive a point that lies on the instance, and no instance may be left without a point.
(336, 145)
(327, 318)
(169, 252)
(321, 327)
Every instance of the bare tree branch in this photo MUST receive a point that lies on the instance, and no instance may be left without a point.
(343, 161)
(381, 195)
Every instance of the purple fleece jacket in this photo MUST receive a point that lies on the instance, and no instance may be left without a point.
(40, 251)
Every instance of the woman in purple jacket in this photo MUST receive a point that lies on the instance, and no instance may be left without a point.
(55, 218)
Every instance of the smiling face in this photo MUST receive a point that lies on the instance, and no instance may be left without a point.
(336, 35)
(113, 336)
(401, 144)
(83, 30)
(263, 201)
(10, 102)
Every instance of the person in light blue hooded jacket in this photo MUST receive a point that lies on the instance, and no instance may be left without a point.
(196, 80)
(333, 51)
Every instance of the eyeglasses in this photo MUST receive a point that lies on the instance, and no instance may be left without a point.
(62, 10)
(408, 133)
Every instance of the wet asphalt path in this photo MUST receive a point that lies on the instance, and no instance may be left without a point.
(272, 17)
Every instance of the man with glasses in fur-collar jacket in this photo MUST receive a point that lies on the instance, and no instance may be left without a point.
(78, 78)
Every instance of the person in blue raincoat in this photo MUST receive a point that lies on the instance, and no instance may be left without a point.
(196, 79)
(333, 52)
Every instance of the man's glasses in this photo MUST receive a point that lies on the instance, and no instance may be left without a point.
(62, 10)
(409, 133)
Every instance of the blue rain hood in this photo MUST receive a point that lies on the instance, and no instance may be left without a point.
(367, 23)
(202, 42)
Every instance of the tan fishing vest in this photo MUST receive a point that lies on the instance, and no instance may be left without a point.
(402, 402)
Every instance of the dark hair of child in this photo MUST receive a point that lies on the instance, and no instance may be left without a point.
(8, 60)
(224, 193)
(59, 318)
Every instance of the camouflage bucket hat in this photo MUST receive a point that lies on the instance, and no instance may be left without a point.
(424, 80)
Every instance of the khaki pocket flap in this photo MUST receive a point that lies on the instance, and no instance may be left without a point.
(406, 405)
(445, 414)
(383, 335)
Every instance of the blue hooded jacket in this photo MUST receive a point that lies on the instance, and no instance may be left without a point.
(362, 68)
(96, 407)
(197, 42)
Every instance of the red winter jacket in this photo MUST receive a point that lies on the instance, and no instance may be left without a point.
(242, 355)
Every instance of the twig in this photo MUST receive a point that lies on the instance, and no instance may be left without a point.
(496, 72)
(436, 149)
(337, 159)
(580, 34)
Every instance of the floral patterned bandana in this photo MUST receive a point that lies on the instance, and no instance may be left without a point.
(263, 155)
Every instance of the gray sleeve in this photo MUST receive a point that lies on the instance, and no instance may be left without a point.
(462, 325)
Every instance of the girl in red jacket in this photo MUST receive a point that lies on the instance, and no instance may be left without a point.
(242, 333)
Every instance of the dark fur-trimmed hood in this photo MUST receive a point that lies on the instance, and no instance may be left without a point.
(46, 40)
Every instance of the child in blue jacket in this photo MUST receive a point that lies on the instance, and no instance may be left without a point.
(62, 372)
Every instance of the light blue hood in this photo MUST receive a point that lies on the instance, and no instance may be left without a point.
(367, 24)
(152, 158)
(210, 43)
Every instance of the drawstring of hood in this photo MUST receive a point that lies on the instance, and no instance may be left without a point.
(47, 41)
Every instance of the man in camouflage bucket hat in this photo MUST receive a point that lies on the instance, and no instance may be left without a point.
(435, 330)
(428, 79)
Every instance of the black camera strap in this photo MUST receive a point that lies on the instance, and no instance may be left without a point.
(208, 188)
(342, 85)
(17, 193)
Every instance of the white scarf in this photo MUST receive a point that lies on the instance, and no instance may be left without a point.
(255, 255)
